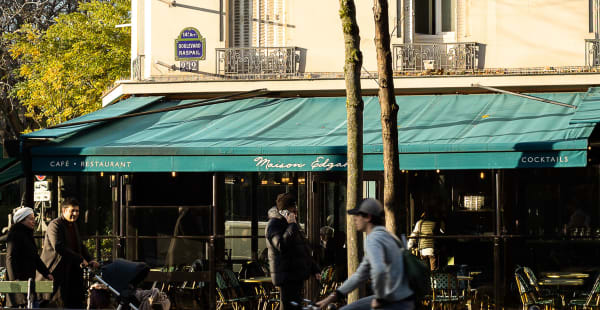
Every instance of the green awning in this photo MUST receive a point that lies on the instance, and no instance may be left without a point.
(589, 110)
(119, 108)
(309, 134)
(10, 170)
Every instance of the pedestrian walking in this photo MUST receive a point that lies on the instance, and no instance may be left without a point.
(22, 259)
(65, 255)
(290, 260)
(383, 263)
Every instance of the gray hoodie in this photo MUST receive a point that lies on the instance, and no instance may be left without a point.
(384, 264)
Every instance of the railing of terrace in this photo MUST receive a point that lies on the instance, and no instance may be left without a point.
(258, 62)
(435, 56)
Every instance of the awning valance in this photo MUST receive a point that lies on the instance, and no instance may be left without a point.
(309, 134)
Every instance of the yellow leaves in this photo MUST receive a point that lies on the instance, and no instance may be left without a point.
(65, 68)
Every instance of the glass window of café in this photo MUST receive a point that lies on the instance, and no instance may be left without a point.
(460, 203)
(245, 195)
(550, 218)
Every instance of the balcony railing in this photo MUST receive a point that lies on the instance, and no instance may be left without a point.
(136, 68)
(592, 52)
(435, 56)
(258, 62)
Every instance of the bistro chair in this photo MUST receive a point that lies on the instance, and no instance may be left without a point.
(328, 284)
(543, 293)
(592, 300)
(530, 298)
(227, 295)
(445, 290)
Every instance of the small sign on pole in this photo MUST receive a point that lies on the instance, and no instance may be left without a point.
(40, 191)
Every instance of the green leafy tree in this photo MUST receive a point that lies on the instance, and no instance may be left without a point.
(13, 15)
(66, 68)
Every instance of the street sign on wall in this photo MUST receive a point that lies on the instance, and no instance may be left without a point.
(190, 45)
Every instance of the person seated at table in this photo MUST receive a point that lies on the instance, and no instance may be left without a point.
(326, 246)
(579, 217)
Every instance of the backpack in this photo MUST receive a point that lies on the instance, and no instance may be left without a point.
(415, 271)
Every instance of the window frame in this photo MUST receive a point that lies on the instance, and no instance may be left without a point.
(437, 15)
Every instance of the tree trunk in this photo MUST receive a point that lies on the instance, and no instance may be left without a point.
(354, 109)
(389, 115)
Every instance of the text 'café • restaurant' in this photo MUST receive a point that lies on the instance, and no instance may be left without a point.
(504, 174)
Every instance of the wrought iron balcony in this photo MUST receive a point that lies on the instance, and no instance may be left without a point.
(592, 52)
(258, 62)
(136, 68)
(435, 56)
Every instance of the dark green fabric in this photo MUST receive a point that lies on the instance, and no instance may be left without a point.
(491, 131)
(122, 107)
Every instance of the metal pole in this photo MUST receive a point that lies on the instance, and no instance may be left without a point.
(212, 257)
(30, 292)
(254, 212)
(497, 269)
(523, 96)
(28, 171)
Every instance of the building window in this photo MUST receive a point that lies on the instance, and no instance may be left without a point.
(435, 16)
(240, 24)
(259, 23)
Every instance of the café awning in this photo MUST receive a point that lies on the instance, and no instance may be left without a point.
(485, 131)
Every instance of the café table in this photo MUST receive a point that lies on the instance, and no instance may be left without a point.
(564, 275)
(262, 288)
(561, 282)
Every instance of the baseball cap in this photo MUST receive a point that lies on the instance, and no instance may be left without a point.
(368, 206)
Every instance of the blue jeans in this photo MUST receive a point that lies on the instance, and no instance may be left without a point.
(365, 304)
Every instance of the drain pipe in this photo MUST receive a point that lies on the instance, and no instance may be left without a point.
(409, 21)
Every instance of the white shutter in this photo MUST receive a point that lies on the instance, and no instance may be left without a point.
(242, 16)
(259, 23)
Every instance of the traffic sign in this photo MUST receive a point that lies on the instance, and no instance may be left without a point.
(40, 186)
(41, 196)
(40, 177)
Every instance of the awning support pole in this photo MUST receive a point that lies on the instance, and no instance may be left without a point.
(211, 247)
(497, 268)
(497, 90)
(27, 169)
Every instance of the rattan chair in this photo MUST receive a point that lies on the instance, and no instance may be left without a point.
(592, 300)
(530, 298)
(446, 292)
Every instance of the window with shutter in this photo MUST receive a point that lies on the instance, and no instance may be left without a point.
(241, 23)
(259, 23)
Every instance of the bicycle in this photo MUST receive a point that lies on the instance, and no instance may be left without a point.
(307, 304)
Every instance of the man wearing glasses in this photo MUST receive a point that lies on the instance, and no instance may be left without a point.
(290, 260)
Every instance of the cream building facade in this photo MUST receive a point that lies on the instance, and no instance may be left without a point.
(297, 46)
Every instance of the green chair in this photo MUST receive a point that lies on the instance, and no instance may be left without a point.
(530, 298)
(227, 295)
(446, 291)
(592, 300)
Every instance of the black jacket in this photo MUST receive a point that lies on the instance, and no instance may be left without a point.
(56, 254)
(290, 258)
(22, 259)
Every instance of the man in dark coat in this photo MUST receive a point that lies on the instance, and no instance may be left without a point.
(65, 255)
(290, 258)
(22, 259)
